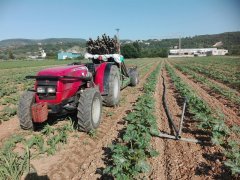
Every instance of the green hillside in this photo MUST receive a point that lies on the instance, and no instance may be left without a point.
(22, 48)
(158, 48)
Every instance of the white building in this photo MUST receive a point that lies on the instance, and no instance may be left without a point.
(42, 53)
(38, 55)
(197, 52)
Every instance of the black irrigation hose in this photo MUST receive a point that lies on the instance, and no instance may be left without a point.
(177, 132)
(166, 108)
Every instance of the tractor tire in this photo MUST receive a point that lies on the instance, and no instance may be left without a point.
(89, 110)
(113, 96)
(134, 77)
(24, 110)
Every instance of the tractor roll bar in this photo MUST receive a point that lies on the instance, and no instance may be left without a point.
(84, 78)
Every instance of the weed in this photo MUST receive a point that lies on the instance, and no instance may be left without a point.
(109, 114)
(93, 133)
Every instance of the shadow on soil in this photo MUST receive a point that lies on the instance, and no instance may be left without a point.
(34, 176)
(214, 166)
(107, 161)
(108, 153)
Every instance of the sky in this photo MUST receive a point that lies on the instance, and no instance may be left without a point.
(136, 19)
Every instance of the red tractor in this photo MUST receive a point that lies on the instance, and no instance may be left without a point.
(80, 88)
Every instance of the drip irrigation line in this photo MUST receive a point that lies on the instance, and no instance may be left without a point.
(167, 110)
(169, 116)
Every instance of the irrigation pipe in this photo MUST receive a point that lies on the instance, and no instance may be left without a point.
(166, 108)
(177, 132)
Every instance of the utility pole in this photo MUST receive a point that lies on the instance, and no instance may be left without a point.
(179, 44)
(118, 40)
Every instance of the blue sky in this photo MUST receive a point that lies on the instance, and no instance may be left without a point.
(137, 19)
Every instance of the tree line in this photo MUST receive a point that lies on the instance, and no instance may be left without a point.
(137, 50)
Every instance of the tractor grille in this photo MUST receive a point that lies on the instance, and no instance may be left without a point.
(47, 84)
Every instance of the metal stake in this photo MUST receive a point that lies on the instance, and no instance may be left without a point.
(182, 117)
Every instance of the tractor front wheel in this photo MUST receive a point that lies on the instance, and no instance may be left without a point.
(89, 110)
(24, 110)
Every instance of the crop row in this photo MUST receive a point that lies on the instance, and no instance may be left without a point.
(228, 71)
(225, 64)
(15, 161)
(229, 94)
(233, 82)
(212, 121)
(128, 156)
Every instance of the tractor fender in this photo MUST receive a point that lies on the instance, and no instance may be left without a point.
(102, 77)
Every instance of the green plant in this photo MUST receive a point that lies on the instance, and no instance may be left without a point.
(8, 112)
(61, 137)
(92, 133)
(229, 94)
(233, 155)
(13, 165)
(47, 130)
(38, 141)
(129, 155)
(211, 120)
(109, 114)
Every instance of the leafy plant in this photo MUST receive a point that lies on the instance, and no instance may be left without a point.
(129, 156)
(13, 165)
(47, 130)
(211, 120)
(92, 133)
(38, 141)
(233, 155)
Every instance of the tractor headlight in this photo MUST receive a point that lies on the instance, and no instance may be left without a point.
(51, 90)
(41, 90)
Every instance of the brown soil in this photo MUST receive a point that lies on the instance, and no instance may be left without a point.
(180, 159)
(82, 156)
(8, 128)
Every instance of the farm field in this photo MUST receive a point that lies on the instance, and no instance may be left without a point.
(126, 145)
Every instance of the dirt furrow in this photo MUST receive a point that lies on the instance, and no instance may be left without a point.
(231, 117)
(234, 106)
(179, 159)
(83, 155)
(172, 153)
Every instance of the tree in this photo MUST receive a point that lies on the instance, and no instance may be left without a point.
(10, 55)
(137, 46)
(129, 51)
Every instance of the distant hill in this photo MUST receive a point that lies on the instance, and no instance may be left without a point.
(25, 42)
(22, 48)
(229, 40)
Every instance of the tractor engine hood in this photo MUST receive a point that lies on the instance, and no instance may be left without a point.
(73, 70)
(65, 87)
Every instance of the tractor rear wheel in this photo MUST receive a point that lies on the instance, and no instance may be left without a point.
(89, 110)
(134, 77)
(24, 110)
(113, 96)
